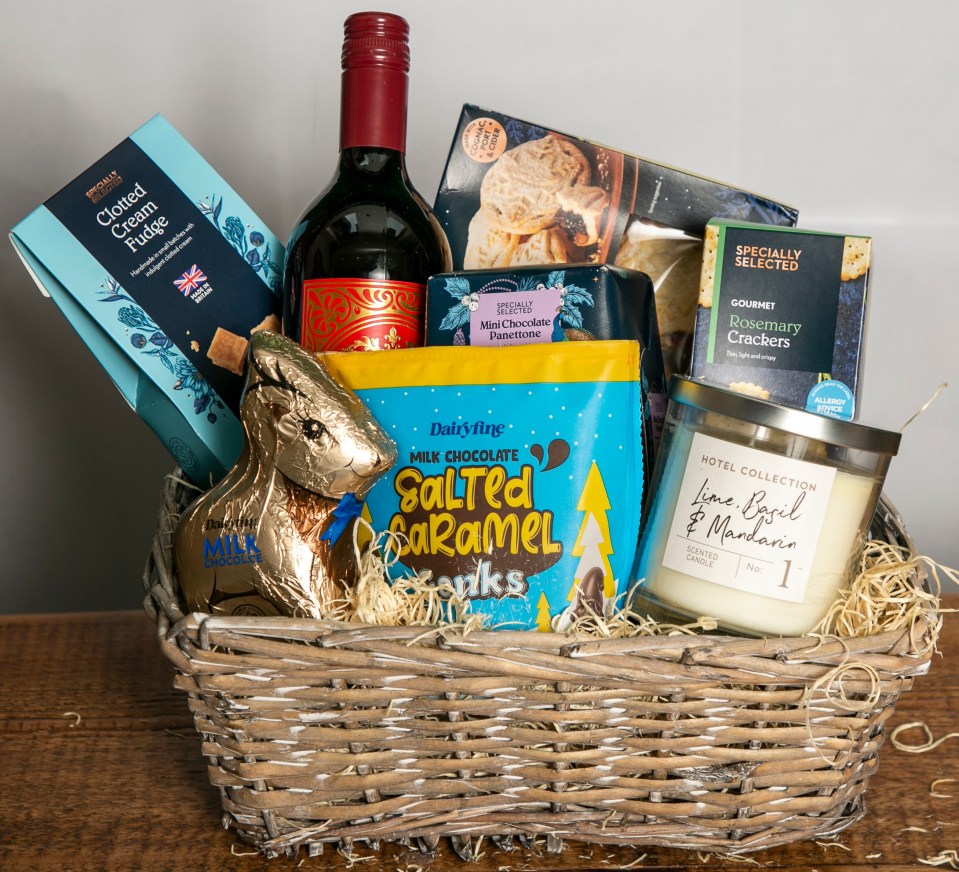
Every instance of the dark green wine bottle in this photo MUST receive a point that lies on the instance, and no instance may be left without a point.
(358, 260)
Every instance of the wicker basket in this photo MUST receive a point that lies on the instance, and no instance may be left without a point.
(320, 732)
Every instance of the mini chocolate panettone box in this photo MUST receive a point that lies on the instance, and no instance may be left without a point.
(782, 315)
(527, 305)
(515, 193)
(164, 271)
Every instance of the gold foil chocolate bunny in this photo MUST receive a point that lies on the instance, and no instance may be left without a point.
(275, 535)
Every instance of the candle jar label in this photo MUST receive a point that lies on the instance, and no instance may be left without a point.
(747, 519)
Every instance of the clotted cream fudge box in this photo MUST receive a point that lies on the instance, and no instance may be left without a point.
(515, 193)
(164, 271)
(782, 315)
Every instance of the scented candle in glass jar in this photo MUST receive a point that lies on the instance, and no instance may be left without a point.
(758, 512)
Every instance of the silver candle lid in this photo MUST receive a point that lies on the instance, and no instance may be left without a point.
(765, 414)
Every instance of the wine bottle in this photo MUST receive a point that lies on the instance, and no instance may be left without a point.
(358, 260)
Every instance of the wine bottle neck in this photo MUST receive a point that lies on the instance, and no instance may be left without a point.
(373, 108)
(374, 161)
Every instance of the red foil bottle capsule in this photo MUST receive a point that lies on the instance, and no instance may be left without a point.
(358, 259)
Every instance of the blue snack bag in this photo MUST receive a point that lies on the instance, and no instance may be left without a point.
(519, 480)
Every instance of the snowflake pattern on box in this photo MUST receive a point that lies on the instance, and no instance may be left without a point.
(573, 297)
(252, 246)
(151, 341)
(521, 131)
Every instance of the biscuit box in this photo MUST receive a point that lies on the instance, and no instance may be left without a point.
(519, 482)
(164, 272)
(532, 304)
(514, 193)
(782, 315)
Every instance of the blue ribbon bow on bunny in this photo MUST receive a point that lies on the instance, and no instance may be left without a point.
(348, 509)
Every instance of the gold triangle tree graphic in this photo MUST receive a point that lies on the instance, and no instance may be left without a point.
(543, 624)
(593, 545)
(363, 535)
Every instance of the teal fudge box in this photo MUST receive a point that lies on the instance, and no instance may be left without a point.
(163, 270)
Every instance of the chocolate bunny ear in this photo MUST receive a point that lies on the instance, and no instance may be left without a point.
(296, 381)
(279, 362)
(268, 351)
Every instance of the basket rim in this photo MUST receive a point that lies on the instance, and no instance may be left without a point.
(162, 604)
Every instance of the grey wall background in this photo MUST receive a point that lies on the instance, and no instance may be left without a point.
(844, 108)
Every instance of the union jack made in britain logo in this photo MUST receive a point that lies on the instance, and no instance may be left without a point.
(190, 280)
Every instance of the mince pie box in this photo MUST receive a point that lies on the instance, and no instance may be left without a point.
(514, 194)
(782, 315)
(164, 272)
(527, 305)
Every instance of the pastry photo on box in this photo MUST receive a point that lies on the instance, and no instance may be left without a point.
(515, 193)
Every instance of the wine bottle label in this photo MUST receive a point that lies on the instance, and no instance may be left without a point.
(361, 315)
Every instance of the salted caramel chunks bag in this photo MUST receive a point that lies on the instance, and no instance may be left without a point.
(275, 535)
(519, 471)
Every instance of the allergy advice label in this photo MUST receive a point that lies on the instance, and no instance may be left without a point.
(748, 519)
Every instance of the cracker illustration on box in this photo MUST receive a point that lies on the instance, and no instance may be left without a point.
(708, 276)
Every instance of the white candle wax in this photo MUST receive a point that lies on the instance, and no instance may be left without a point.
(758, 541)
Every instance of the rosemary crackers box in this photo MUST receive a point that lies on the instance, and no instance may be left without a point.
(782, 314)
(164, 272)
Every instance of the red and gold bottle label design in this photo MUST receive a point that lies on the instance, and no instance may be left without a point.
(361, 315)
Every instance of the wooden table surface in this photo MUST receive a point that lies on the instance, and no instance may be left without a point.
(100, 769)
